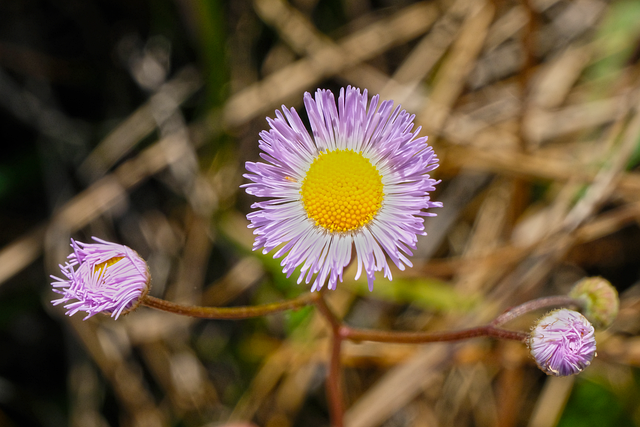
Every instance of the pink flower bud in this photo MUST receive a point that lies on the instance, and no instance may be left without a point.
(103, 277)
(562, 343)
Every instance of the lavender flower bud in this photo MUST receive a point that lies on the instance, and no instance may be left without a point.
(599, 299)
(103, 277)
(562, 343)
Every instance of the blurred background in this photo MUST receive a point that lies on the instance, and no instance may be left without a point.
(131, 121)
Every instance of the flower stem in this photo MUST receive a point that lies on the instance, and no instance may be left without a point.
(558, 300)
(334, 376)
(229, 312)
(355, 334)
(334, 382)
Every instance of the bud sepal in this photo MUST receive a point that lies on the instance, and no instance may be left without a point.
(599, 299)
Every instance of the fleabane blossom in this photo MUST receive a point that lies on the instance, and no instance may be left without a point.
(563, 343)
(361, 181)
(102, 277)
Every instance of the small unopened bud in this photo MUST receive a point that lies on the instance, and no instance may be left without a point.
(599, 299)
(562, 343)
(103, 277)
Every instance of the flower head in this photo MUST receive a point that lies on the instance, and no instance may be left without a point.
(362, 181)
(103, 277)
(562, 343)
(600, 300)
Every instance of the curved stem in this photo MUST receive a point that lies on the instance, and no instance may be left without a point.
(328, 314)
(558, 300)
(355, 334)
(229, 312)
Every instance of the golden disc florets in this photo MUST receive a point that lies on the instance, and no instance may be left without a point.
(100, 268)
(342, 190)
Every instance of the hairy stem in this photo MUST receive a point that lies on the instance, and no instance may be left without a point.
(229, 312)
(554, 301)
(341, 332)
(334, 376)
(355, 334)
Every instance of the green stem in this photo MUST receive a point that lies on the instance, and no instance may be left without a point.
(229, 312)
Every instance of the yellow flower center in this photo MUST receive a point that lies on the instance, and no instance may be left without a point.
(342, 190)
(100, 268)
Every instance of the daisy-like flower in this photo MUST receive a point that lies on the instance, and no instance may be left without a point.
(103, 277)
(362, 180)
(563, 343)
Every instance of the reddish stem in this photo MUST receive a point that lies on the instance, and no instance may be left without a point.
(334, 376)
(229, 312)
(355, 334)
(341, 332)
(554, 301)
